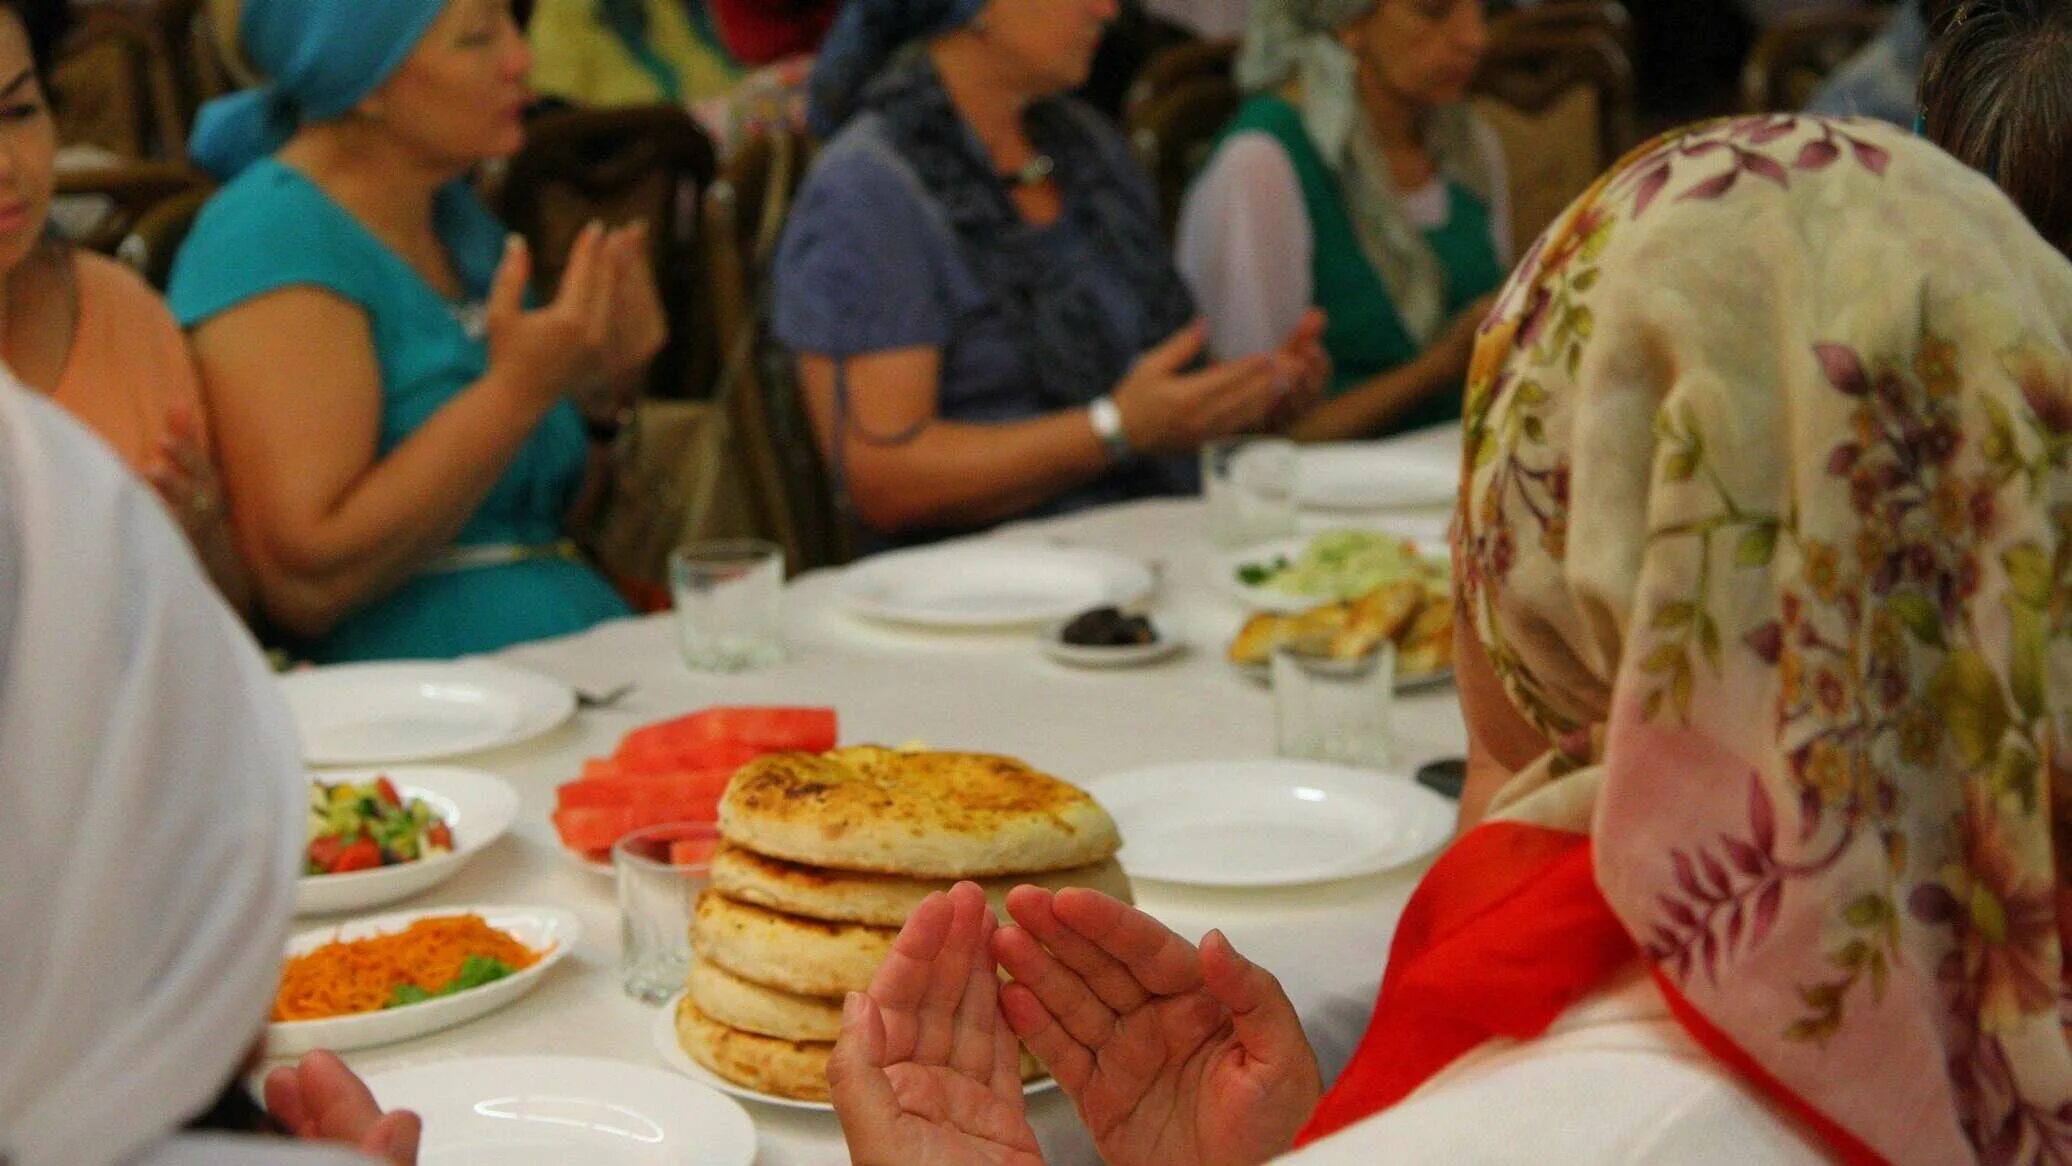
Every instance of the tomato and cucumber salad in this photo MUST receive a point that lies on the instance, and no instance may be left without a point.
(355, 826)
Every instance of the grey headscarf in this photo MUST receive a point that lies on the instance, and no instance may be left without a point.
(1296, 40)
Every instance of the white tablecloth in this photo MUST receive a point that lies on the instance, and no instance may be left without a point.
(988, 691)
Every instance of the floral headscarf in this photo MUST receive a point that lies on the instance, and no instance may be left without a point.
(1769, 527)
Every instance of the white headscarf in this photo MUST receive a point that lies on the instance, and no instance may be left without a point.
(149, 788)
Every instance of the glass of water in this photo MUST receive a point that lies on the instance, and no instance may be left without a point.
(1249, 485)
(1335, 710)
(661, 871)
(729, 603)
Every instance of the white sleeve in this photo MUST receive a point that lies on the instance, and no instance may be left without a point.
(1492, 146)
(1244, 246)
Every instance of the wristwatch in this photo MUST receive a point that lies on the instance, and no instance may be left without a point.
(1106, 419)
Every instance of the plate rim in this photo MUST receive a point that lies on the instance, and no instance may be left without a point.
(1445, 811)
(1224, 565)
(1347, 450)
(562, 701)
(1142, 582)
(738, 1114)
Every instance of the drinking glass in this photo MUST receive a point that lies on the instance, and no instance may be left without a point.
(1334, 710)
(729, 603)
(660, 871)
(1249, 484)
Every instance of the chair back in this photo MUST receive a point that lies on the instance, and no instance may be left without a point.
(1792, 57)
(1174, 133)
(110, 91)
(1174, 66)
(649, 164)
(787, 481)
(154, 242)
(1606, 16)
(1561, 99)
(97, 206)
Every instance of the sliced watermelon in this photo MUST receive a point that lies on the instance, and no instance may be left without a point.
(635, 789)
(691, 851)
(660, 756)
(593, 830)
(812, 730)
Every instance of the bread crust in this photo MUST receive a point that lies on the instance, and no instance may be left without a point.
(807, 957)
(879, 900)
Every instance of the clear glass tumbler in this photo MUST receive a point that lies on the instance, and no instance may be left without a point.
(1334, 710)
(661, 871)
(729, 603)
(1249, 484)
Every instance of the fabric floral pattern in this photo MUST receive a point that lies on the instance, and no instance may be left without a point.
(1778, 553)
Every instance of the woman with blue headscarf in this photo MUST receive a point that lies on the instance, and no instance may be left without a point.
(986, 319)
(394, 417)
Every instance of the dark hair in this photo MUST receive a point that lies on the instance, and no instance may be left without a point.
(47, 21)
(1997, 93)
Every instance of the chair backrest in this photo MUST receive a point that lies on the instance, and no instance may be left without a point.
(154, 242)
(109, 91)
(1792, 57)
(194, 59)
(1606, 16)
(788, 484)
(1174, 133)
(98, 206)
(649, 164)
(1561, 100)
(1171, 67)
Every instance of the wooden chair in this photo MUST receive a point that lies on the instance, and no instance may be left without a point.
(1792, 58)
(1607, 16)
(154, 242)
(196, 63)
(1175, 66)
(1174, 133)
(787, 482)
(97, 207)
(1562, 101)
(649, 163)
(110, 91)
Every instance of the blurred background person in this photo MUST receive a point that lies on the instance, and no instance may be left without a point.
(1883, 80)
(394, 420)
(1998, 95)
(986, 320)
(1356, 180)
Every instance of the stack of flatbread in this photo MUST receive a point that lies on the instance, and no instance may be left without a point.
(824, 857)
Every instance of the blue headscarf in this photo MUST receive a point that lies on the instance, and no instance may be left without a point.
(321, 57)
(864, 39)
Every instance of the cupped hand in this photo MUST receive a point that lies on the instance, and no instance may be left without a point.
(925, 1072)
(639, 324)
(1166, 409)
(185, 477)
(551, 351)
(1173, 1054)
(318, 1099)
(1305, 367)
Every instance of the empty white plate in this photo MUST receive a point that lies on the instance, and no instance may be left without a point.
(543, 929)
(478, 806)
(671, 1051)
(991, 583)
(1269, 823)
(1364, 476)
(551, 1111)
(380, 714)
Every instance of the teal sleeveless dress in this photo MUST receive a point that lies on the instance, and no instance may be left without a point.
(271, 228)
(1364, 334)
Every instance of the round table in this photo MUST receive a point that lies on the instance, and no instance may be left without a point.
(993, 692)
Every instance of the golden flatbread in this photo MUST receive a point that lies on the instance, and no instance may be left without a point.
(737, 1003)
(924, 815)
(796, 1069)
(880, 900)
(807, 957)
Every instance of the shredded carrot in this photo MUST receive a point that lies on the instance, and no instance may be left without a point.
(361, 975)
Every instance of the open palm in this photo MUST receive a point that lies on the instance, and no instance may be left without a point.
(1172, 1054)
(925, 1072)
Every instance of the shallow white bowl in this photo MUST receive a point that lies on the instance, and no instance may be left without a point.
(479, 806)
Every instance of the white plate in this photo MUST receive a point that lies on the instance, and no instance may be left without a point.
(1223, 573)
(550, 1111)
(1438, 678)
(667, 1047)
(991, 583)
(1361, 476)
(546, 929)
(1269, 823)
(1162, 645)
(479, 807)
(380, 714)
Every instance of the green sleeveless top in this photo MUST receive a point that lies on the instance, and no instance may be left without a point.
(1365, 335)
